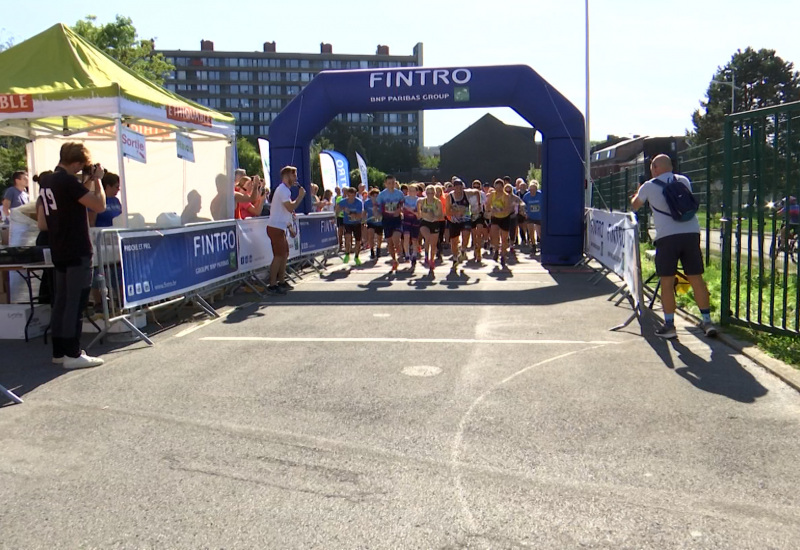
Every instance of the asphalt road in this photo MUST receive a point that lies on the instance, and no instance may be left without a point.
(480, 410)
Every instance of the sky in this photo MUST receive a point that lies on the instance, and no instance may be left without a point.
(650, 62)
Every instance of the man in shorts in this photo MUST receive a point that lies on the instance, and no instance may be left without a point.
(280, 219)
(675, 241)
(353, 216)
(390, 203)
(459, 220)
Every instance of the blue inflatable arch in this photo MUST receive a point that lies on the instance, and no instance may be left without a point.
(420, 88)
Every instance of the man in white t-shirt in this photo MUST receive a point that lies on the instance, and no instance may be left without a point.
(675, 240)
(281, 216)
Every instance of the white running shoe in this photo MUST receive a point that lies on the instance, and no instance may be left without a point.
(81, 362)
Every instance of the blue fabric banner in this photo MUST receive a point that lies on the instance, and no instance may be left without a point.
(342, 169)
(171, 262)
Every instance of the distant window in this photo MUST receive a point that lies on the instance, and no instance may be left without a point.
(293, 63)
(233, 75)
(304, 63)
(274, 63)
(292, 77)
(305, 77)
(181, 75)
(234, 89)
(326, 64)
(213, 88)
(292, 90)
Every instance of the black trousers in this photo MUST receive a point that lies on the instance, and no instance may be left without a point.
(73, 282)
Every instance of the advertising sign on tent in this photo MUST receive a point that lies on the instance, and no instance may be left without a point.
(185, 147)
(133, 145)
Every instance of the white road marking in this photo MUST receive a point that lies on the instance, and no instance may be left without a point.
(390, 303)
(455, 455)
(472, 281)
(381, 315)
(337, 340)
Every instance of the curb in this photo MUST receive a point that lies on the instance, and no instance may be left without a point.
(786, 373)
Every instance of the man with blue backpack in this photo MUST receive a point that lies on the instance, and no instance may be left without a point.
(677, 238)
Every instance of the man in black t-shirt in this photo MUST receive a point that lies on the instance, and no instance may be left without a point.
(64, 199)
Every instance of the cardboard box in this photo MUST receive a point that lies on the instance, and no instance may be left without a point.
(14, 316)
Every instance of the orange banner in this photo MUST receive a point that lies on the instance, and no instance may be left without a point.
(16, 103)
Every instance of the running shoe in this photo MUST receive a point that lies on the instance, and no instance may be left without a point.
(503, 261)
(371, 253)
(275, 290)
(357, 260)
(709, 329)
(285, 286)
(413, 262)
(496, 255)
(346, 258)
(667, 331)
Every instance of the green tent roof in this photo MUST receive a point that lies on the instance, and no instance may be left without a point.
(58, 64)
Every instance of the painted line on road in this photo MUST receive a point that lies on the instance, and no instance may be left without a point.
(369, 282)
(324, 340)
(458, 440)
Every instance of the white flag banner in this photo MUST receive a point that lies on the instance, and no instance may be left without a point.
(362, 168)
(263, 148)
(328, 168)
(185, 146)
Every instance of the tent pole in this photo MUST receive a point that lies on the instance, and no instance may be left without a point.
(121, 168)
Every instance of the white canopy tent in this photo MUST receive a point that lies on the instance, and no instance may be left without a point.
(57, 87)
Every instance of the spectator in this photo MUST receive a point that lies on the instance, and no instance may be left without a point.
(64, 200)
(111, 185)
(17, 194)
(326, 204)
(219, 204)
(675, 240)
(253, 190)
(281, 218)
(316, 203)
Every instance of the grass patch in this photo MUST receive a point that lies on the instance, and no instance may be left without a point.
(782, 347)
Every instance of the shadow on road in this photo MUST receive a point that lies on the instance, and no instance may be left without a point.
(722, 374)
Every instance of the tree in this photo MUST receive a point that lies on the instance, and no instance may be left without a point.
(12, 158)
(119, 40)
(249, 157)
(763, 79)
(375, 177)
(535, 174)
(429, 161)
(389, 154)
(316, 148)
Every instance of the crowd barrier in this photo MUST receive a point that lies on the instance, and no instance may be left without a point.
(139, 269)
(612, 239)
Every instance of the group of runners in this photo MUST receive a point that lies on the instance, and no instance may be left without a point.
(419, 220)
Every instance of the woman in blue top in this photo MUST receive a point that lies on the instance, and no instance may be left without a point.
(533, 206)
(113, 209)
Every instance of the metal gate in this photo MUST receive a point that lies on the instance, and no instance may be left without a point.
(761, 213)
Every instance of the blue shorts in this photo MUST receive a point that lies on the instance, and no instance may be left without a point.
(411, 227)
(390, 225)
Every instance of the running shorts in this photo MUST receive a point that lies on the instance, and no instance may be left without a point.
(433, 227)
(354, 229)
(390, 225)
(503, 223)
(280, 246)
(457, 227)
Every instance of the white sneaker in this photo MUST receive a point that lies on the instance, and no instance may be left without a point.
(81, 362)
(60, 360)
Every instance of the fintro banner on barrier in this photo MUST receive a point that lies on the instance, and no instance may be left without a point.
(255, 249)
(170, 262)
(611, 239)
(318, 233)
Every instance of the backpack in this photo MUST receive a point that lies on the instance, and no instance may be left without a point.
(680, 200)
